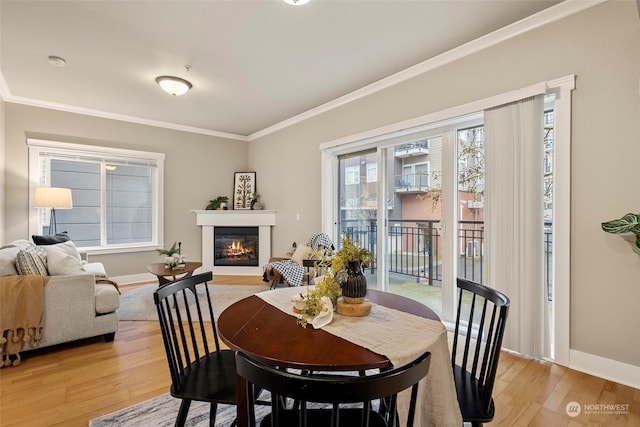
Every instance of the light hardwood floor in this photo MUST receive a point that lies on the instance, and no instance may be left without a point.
(70, 384)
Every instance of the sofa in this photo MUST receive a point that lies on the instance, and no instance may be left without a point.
(78, 299)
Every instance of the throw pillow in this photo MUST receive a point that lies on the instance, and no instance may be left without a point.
(32, 261)
(50, 240)
(60, 263)
(68, 248)
(302, 252)
(95, 268)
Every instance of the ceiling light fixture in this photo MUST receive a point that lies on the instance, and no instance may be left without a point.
(57, 61)
(296, 2)
(174, 85)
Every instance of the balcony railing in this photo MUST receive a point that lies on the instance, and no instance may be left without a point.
(412, 149)
(415, 248)
(412, 182)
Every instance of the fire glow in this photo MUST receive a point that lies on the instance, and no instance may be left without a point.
(235, 249)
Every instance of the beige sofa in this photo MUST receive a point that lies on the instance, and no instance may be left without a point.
(75, 306)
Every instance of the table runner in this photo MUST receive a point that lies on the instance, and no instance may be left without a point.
(380, 332)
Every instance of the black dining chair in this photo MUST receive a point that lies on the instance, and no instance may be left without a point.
(477, 340)
(199, 369)
(333, 390)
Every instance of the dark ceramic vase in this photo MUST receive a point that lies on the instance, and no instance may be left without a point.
(355, 284)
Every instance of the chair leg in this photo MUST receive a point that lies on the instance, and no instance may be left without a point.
(213, 410)
(182, 413)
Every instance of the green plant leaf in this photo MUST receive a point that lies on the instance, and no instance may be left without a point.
(627, 224)
(170, 251)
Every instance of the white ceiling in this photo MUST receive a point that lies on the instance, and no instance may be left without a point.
(253, 63)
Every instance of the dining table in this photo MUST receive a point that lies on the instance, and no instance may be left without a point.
(396, 331)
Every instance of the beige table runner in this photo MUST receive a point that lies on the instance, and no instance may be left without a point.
(401, 337)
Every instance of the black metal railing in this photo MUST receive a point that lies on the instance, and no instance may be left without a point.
(414, 248)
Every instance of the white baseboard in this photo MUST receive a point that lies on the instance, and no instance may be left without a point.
(608, 369)
(134, 278)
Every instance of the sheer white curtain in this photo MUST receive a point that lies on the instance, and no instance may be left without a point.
(514, 218)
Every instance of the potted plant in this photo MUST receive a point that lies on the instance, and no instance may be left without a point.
(343, 277)
(630, 223)
(219, 202)
(173, 256)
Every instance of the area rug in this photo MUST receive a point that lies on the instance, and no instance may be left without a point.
(137, 303)
(161, 411)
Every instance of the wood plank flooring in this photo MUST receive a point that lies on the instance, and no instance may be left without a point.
(70, 384)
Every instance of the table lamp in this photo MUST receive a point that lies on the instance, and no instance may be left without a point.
(54, 198)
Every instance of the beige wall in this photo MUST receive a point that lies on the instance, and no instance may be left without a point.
(197, 168)
(2, 157)
(602, 47)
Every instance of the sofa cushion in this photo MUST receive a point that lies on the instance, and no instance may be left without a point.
(60, 263)
(32, 261)
(50, 240)
(68, 248)
(8, 260)
(107, 298)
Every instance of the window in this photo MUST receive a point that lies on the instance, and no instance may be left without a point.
(352, 175)
(372, 172)
(384, 229)
(116, 193)
(416, 175)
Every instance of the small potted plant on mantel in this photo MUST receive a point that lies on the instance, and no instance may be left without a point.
(218, 203)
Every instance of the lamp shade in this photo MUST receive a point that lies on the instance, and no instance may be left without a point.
(173, 85)
(52, 197)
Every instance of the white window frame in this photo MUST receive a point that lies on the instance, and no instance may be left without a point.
(39, 147)
(380, 137)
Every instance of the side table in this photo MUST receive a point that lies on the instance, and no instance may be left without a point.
(163, 273)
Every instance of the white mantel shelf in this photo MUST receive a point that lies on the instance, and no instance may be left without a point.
(209, 219)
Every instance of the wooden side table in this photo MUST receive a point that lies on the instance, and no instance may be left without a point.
(163, 273)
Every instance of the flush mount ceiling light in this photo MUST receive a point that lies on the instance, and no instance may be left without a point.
(56, 61)
(174, 85)
(296, 2)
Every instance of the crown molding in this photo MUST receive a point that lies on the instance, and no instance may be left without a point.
(7, 97)
(540, 19)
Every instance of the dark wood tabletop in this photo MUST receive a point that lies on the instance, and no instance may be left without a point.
(266, 333)
(162, 272)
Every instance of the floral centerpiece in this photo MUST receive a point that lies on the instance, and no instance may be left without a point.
(173, 256)
(336, 268)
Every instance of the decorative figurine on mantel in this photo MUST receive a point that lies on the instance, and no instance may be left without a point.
(255, 202)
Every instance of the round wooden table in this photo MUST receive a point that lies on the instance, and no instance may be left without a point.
(162, 272)
(266, 333)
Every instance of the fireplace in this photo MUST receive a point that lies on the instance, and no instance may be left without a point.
(236, 246)
(236, 222)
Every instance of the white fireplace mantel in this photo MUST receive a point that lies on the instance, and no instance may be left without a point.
(209, 219)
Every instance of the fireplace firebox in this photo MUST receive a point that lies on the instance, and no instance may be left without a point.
(236, 246)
